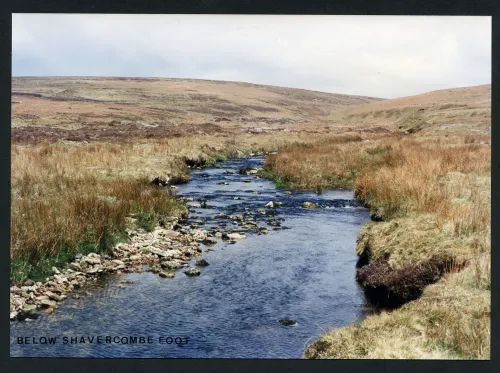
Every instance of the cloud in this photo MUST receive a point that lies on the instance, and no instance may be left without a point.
(384, 56)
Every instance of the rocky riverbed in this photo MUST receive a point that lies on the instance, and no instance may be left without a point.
(163, 250)
(252, 272)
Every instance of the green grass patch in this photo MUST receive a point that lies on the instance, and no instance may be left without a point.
(23, 268)
(146, 220)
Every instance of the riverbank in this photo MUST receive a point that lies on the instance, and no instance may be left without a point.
(90, 196)
(163, 250)
(430, 201)
(250, 288)
(84, 193)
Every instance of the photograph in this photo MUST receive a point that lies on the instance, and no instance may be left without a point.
(230, 186)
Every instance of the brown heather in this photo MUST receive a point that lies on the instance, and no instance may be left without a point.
(68, 194)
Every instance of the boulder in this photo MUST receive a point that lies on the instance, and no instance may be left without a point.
(54, 296)
(287, 322)
(163, 253)
(270, 204)
(209, 241)
(166, 274)
(76, 266)
(192, 272)
(29, 308)
(15, 290)
(201, 263)
(309, 205)
(48, 303)
(171, 264)
(91, 259)
(235, 236)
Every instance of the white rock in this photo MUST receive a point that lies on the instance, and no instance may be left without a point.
(236, 236)
(48, 303)
(55, 296)
(29, 307)
(92, 260)
(270, 204)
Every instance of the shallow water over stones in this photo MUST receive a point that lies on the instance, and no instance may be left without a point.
(294, 263)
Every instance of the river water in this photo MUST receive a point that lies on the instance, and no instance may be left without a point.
(303, 269)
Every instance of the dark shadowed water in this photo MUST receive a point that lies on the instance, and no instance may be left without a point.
(303, 270)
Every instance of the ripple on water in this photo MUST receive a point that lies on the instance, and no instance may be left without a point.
(305, 273)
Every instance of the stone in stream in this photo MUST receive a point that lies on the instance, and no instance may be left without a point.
(29, 308)
(202, 263)
(309, 205)
(192, 272)
(167, 274)
(287, 322)
(209, 241)
(233, 236)
(55, 296)
(48, 303)
(244, 170)
(171, 264)
(270, 204)
(21, 316)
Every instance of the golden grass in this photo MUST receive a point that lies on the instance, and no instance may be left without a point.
(65, 195)
(434, 194)
(450, 321)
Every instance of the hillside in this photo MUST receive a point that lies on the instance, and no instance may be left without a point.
(458, 110)
(88, 108)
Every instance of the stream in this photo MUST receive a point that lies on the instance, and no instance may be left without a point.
(296, 263)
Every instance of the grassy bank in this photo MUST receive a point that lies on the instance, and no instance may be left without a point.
(433, 195)
(75, 197)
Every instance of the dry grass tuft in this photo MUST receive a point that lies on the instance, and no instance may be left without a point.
(72, 196)
(434, 195)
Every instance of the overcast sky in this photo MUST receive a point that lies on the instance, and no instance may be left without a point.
(383, 56)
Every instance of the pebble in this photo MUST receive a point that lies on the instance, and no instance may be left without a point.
(192, 272)
(48, 303)
(167, 274)
(202, 263)
(309, 205)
